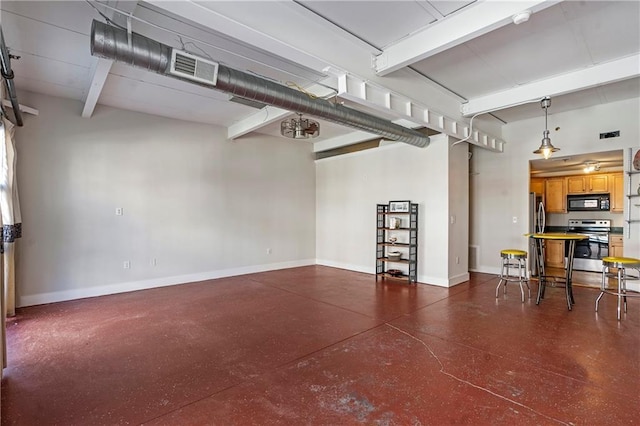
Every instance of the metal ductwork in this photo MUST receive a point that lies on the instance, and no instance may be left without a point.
(7, 74)
(114, 43)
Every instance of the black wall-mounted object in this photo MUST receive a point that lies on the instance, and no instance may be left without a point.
(608, 135)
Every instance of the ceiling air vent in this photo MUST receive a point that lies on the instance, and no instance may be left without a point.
(194, 68)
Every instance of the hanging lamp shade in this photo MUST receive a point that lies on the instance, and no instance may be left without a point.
(546, 147)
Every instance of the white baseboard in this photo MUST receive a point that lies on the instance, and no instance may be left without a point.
(487, 270)
(347, 266)
(425, 279)
(444, 282)
(80, 293)
(459, 279)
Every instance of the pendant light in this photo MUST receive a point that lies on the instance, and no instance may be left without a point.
(546, 148)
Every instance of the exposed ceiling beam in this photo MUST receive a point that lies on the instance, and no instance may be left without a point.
(396, 105)
(100, 69)
(23, 108)
(597, 75)
(471, 22)
(264, 117)
(202, 15)
(343, 140)
(303, 10)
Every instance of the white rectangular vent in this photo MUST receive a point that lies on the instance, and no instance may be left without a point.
(194, 68)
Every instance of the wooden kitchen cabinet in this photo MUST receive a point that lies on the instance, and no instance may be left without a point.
(616, 189)
(598, 183)
(591, 184)
(616, 247)
(554, 253)
(537, 185)
(555, 190)
(576, 184)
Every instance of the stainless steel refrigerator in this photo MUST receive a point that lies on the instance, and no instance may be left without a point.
(537, 224)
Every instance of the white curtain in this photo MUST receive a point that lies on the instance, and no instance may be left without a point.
(11, 223)
(10, 208)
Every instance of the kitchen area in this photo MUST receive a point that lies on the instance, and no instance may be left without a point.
(583, 194)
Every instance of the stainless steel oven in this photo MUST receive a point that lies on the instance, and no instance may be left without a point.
(589, 253)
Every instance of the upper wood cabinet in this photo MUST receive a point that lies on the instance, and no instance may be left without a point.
(588, 184)
(616, 189)
(555, 190)
(537, 185)
(576, 184)
(598, 183)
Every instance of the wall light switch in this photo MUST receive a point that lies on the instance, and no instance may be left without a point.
(515, 219)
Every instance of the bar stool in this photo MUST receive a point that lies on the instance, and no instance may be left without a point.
(622, 263)
(513, 258)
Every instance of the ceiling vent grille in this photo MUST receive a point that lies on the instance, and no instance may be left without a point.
(194, 68)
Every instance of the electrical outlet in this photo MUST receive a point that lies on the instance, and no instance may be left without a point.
(119, 211)
(126, 264)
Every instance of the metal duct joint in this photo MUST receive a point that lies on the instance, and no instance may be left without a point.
(112, 43)
(7, 74)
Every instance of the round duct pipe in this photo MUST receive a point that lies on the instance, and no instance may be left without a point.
(113, 43)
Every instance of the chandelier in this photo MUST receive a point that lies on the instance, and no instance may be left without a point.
(299, 128)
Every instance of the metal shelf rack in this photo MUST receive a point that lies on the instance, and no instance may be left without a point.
(630, 195)
(408, 236)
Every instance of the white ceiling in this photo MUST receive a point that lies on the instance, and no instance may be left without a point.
(443, 55)
(606, 161)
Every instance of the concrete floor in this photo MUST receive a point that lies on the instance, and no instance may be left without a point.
(324, 346)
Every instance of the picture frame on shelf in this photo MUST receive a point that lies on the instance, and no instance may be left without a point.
(399, 206)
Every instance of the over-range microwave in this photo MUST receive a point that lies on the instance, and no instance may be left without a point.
(585, 203)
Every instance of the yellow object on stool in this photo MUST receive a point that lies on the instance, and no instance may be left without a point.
(513, 258)
(622, 263)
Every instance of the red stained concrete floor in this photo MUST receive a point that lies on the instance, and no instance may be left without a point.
(323, 346)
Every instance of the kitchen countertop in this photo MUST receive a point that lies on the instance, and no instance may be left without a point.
(614, 229)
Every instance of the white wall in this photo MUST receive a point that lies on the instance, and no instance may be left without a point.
(459, 213)
(349, 187)
(500, 182)
(201, 205)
